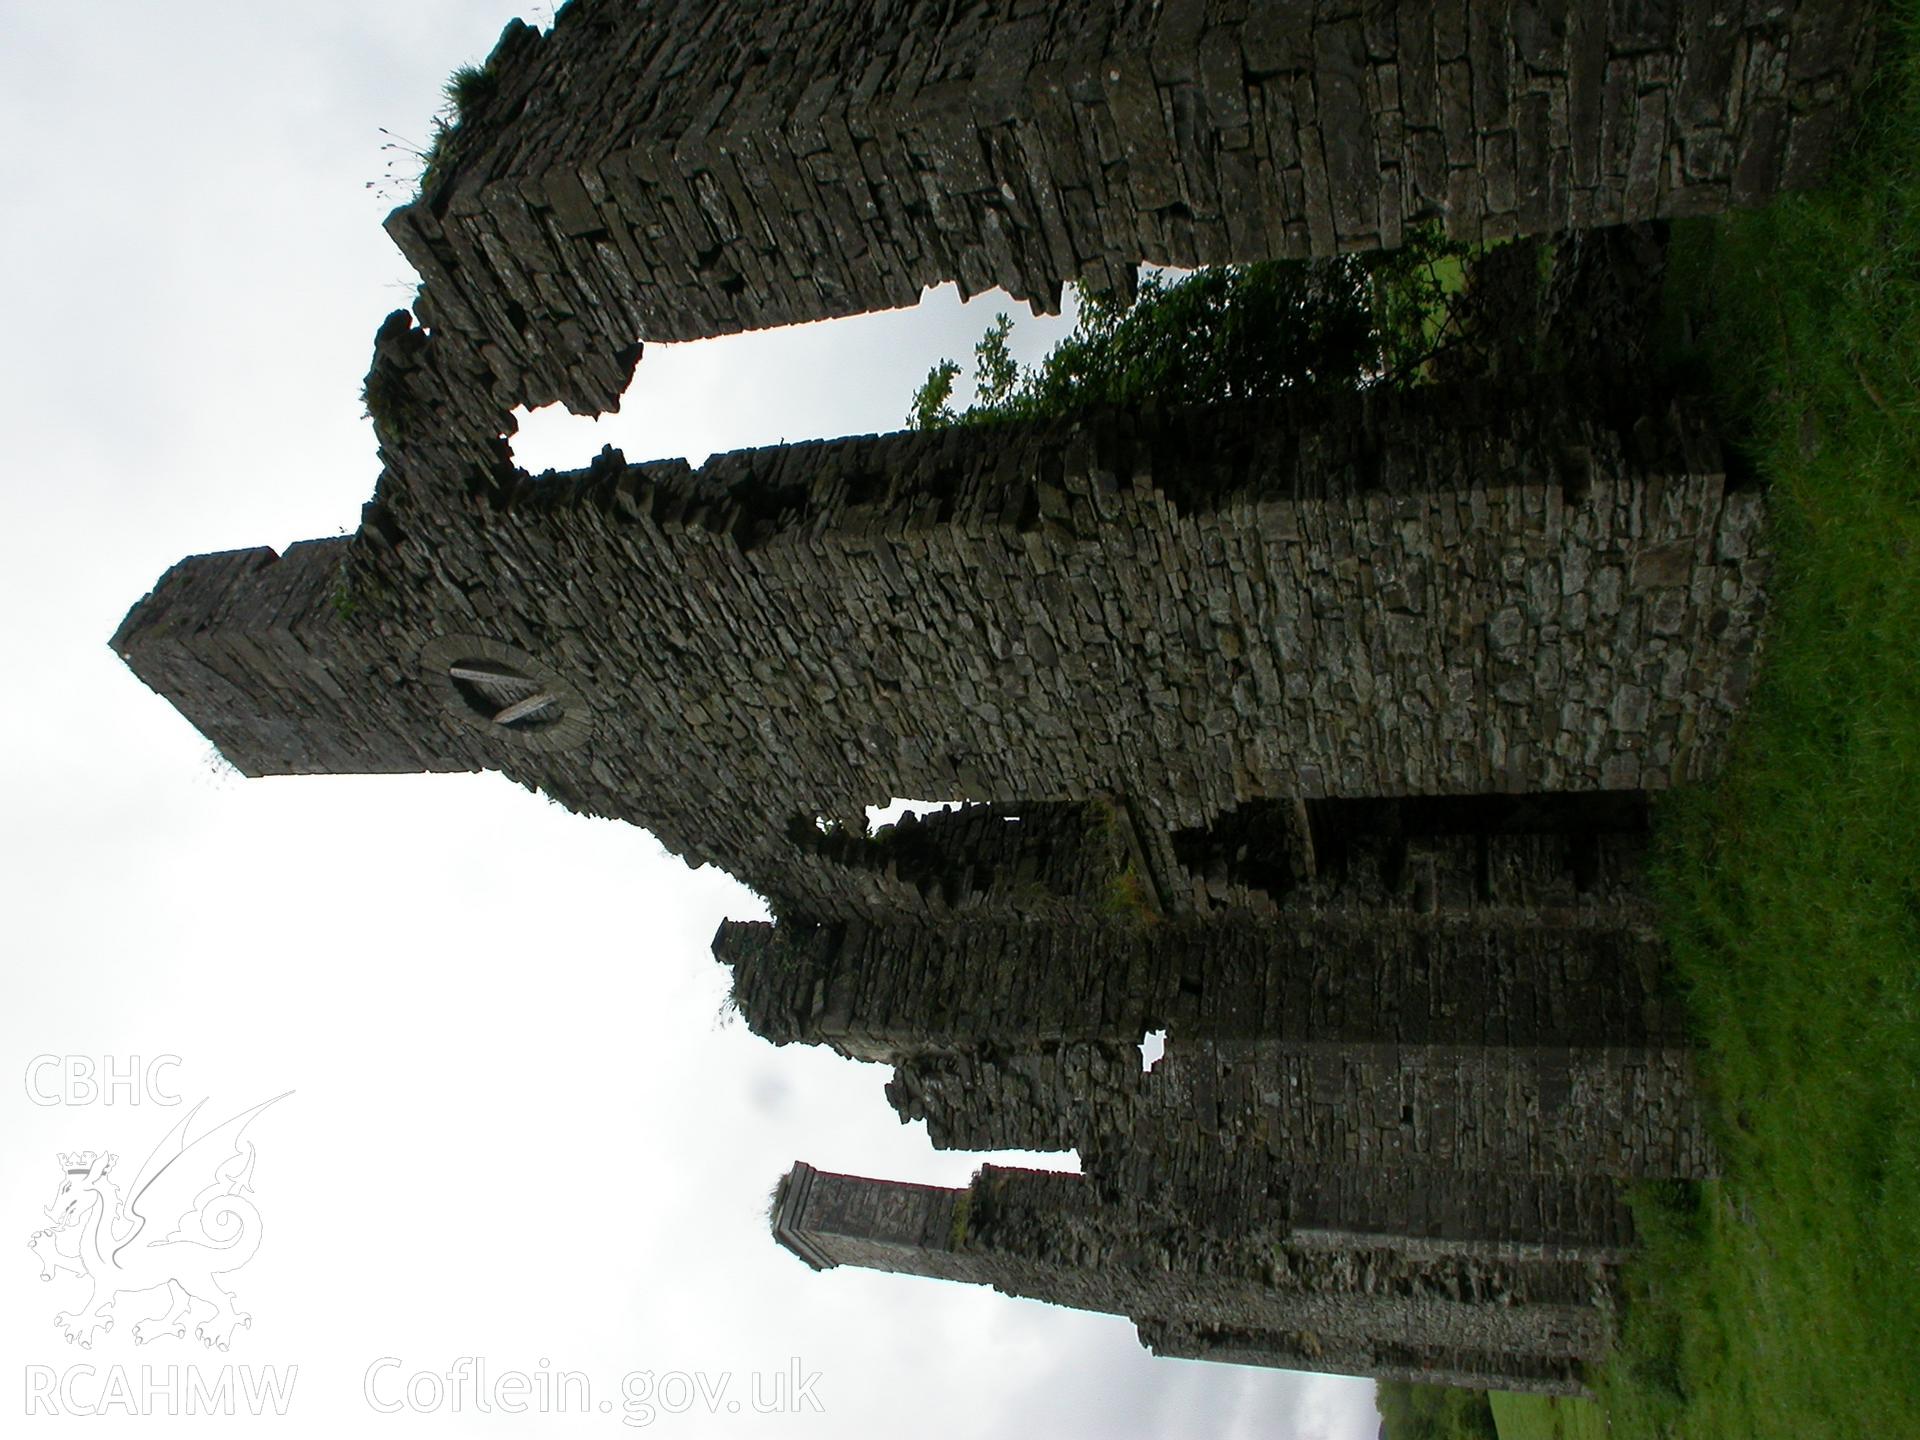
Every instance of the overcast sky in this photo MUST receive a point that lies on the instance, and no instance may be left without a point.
(519, 1130)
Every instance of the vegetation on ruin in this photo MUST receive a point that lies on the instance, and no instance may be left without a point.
(1126, 898)
(1243, 332)
(354, 590)
(1546, 1417)
(345, 603)
(1432, 1412)
(1785, 1300)
(409, 165)
(467, 89)
(386, 399)
(464, 92)
(962, 1222)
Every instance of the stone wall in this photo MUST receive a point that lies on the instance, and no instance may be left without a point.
(1318, 733)
(262, 654)
(1356, 1308)
(685, 170)
(1064, 861)
(1621, 1112)
(1429, 1212)
(1175, 619)
(900, 989)
(1618, 1113)
(1483, 1083)
(1458, 592)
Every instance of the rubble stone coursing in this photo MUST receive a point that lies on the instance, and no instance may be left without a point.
(1444, 1043)
(1621, 1113)
(1495, 977)
(1373, 596)
(289, 665)
(1260, 1297)
(1319, 733)
(1167, 656)
(713, 167)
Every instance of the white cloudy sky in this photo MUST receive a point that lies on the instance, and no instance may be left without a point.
(519, 1130)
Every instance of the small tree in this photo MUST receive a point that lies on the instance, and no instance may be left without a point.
(1226, 333)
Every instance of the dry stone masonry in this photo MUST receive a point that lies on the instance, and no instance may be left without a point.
(1303, 1300)
(1372, 596)
(699, 168)
(1318, 735)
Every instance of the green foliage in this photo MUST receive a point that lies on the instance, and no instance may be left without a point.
(387, 399)
(1227, 333)
(1126, 895)
(436, 152)
(353, 592)
(1433, 1412)
(468, 88)
(996, 372)
(931, 402)
(1436, 1412)
(465, 91)
(1546, 1417)
(1414, 295)
(1126, 899)
(410, 165)
(1787, 1303)
(962, 1219)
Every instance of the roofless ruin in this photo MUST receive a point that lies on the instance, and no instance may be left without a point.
(1319, 735)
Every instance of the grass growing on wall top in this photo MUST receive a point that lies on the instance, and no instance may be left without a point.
(1785, 1301)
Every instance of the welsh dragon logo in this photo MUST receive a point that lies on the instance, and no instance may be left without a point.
(156, 1251)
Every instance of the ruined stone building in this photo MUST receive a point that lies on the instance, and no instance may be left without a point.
(1318, 735)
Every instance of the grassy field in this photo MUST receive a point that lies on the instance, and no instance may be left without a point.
(1785, 1301)
(1538, 1417)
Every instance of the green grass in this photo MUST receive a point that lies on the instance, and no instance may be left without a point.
(1541, 1417)
(468, 88)
(1785, 1300)
(1433, 1412)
